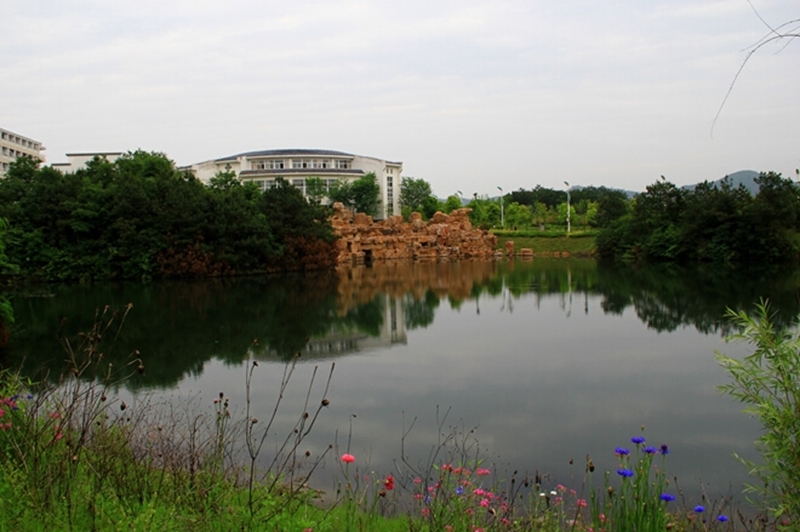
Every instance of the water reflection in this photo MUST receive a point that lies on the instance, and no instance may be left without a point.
(550, 359)
(180, 326)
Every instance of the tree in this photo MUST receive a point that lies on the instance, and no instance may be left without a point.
(316, 190)
(361, 195)
(367, 195)
(414, 192)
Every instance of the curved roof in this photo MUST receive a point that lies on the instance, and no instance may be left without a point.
(287, 153)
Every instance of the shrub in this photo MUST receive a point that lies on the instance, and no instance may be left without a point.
(768, 383)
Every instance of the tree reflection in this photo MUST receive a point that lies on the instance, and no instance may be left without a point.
(180, 326)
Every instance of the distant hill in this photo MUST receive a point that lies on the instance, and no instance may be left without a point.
(743, 177)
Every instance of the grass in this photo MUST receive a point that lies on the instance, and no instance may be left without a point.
(73, 457)
(549, 243)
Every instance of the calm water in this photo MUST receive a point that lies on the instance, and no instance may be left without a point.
(550, 360)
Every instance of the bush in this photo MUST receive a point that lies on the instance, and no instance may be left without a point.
(768, 383)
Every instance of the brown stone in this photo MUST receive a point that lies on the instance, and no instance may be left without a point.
(444, 238)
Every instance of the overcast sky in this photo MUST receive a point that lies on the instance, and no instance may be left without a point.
(469, 95)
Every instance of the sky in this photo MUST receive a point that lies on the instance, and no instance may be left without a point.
(468, 95)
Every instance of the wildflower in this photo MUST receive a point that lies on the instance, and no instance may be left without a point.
(554, 492)
(561, 488)
(581, 503)
(426, 512)
(478, 491)
(664, 449)
(481, 472)
(460, 490)
(722, 518)
(625, 473)
(667, 497)
(649, 450)
(348, 458)
(622, 451)
(699, 509)
(417, 480)
(389, 482)
(602, 518)
(446, 467)
(484, 502)
(637, 440)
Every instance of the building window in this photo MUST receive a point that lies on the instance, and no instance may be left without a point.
(299, 163)
(276, 164)
(259, 165)
(325, 163)
(342, 164)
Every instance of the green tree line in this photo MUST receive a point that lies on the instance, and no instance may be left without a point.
(140, 217)
(715, 222)
(522, 209)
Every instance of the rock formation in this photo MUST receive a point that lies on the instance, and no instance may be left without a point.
(443, 238)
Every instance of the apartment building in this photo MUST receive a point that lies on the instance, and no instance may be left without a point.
(297, 165)
(13, 145)
(77, 161)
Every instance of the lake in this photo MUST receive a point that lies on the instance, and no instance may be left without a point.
(548, 360)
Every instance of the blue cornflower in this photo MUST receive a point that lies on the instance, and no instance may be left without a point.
(624, 472)
(460, 490)
(722, 518)
(649, 450)
(664, 449)
(29, 396)
(637, 440)
(667, 497)
(622, 451)
(427, 499)
(699, 509)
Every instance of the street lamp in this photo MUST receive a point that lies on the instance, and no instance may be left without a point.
(502, 212)
(567, 207)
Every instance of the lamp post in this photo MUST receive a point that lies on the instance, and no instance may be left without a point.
(502, 212)
(567, 207)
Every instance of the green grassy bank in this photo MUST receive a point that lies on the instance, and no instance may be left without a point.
(544, 243)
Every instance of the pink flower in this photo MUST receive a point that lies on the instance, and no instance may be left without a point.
(581, 503)
(348, 458)
(426, 512)
(561, 488)
(482, 472)
(478, 491)
(485, 502)
(389, 482)
(417, 480)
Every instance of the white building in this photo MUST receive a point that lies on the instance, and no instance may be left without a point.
(77, 161)
(13, 145)
(297, 165)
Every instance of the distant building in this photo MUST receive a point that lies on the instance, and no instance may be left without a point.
(297, 165)
(77, 161)
(13, 145)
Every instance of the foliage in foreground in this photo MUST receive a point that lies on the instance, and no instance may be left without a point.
(768, 383)
(73, 457)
